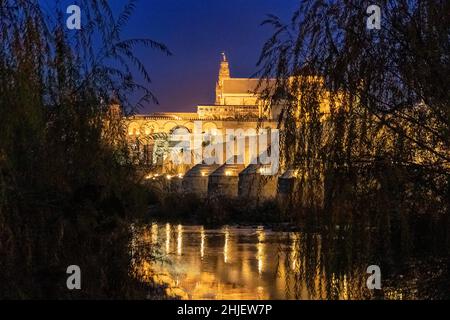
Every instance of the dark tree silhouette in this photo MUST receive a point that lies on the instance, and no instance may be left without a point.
(366, 119)
(67, 187)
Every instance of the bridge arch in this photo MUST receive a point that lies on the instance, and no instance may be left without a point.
(133, 128)
(180, 129)
(169, 126)
(149, 128)
(209, 127)
(189, 125)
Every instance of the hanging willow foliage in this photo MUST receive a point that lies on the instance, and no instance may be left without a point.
(366, 130)
(66, 185)
(360, 103)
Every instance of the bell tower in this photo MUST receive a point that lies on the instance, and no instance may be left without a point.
(224, 73)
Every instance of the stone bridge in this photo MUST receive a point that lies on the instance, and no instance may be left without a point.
(148, 134)
(142, 125)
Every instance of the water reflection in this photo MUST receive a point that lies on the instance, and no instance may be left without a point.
(260, 249)
(234, 263)
(256, 263)
(225, 246)
(154, 233)
(167, 238)
(294, 252)
(179, 239)
(202, 242)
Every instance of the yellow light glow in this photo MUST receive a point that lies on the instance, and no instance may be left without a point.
(202, 242)
(203, 174)
(179, 239)
(295, 252)
(260, 249)
(180, 176)
(168, 177)
(228, 173)
(167, 238)
(225, 246)
(154, 233)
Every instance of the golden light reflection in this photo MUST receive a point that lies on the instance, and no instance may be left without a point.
(280, 280)
(179, 239)
(260, 249)
(345, 291)
(154, 233)
(202, 242)
(225, 246)
(394, 294)
(295, 252)
(235, 276)
(246, 268)
(167, 238)
(261, 294)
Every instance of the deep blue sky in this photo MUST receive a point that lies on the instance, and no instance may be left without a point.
(196, 31)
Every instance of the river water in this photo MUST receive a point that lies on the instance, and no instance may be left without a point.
(235, 262)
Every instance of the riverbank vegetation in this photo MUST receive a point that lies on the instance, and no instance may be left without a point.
(366, 124)
(67, 190)
(214, 211)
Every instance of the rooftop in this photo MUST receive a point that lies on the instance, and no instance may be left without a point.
(244, 85)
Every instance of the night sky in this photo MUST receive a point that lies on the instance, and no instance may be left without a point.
(196, 31)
